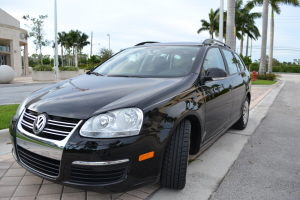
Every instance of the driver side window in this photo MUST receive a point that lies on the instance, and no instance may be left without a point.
(213, 59)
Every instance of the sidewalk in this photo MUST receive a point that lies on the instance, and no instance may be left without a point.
(24, 80)
(204, 174)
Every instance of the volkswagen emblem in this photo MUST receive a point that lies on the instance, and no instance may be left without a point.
(39, 123)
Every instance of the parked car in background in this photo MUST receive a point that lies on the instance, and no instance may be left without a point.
(134, 119)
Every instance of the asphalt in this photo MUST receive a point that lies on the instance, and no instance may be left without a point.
(268, 166)
(205, 177)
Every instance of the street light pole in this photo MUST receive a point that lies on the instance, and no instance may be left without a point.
(91, 48)
(108, 41)
(56, 51)
(221, 20)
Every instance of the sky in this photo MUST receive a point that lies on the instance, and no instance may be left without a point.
(133, 21)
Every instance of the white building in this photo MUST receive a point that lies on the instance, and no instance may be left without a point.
(13, 44)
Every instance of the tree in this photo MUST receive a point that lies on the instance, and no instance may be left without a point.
(82, 41)
(297, 61)
(212, 25)
(230, 38)
(247, 60)
(245, 22)
(62, 37)
(275, 8)
(72, 37)
(262, 66)
(105, 54)
(37, 32)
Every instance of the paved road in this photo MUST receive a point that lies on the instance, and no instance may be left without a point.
(16, 93)
(268, 166)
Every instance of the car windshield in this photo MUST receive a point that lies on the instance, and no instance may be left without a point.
(155, 61)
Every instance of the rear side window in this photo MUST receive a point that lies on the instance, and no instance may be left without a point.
(231, 61)
(240, 63)
(213, 59)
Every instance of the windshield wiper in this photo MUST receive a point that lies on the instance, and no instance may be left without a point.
(95, 73)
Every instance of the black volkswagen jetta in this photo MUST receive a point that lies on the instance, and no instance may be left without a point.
(135, 119)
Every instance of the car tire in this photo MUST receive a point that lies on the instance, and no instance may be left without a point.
(243, 120)
(176, 155)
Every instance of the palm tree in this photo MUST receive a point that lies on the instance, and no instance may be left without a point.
(275, 8)
(262, 66)
(82, 42)
(212, 26)
(230, 38)
(245, 22)
(253, 34)
(62, 41)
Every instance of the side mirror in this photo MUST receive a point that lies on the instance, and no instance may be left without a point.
(212, 73)
(216, 72)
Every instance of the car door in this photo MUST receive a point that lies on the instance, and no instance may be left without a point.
(238, 86)
(219, 97)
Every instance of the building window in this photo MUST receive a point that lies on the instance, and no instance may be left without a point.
(3, 48)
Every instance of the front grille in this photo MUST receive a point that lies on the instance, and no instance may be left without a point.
(57, 128)
(41, 164)
(99, 175)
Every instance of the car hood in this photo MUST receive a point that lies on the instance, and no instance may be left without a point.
(86, 95)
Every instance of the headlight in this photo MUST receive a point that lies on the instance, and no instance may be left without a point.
(118, 123)
(21, 108)
(23, 104)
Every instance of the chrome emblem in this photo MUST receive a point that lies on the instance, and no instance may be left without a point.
(39, 123)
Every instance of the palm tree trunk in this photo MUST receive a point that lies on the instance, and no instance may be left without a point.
(230, 39)
(262, 67)
(270, 64)
(247, 45)
(62, 56)
(241, 45)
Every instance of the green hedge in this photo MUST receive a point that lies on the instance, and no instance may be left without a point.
(290, 69)
(65, 68)
(88, 67)
(283, 68)
(270, 77)
(43, 68)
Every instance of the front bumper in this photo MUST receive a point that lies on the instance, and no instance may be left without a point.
(78, 161)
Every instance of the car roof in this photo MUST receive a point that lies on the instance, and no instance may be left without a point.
(169, 43)
(207, 42)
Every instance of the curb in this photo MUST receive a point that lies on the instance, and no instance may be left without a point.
(23, 84)
(3, 131)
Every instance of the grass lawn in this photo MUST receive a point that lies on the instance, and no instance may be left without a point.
(6, 113)
(263, 82)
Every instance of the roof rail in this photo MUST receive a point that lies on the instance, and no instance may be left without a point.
(210, 41)
(142, 43)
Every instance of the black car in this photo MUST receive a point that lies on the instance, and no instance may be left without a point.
(135, 119)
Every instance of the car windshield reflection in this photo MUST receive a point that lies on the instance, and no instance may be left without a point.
(157, 61)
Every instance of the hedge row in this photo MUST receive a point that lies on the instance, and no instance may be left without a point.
(290, 69)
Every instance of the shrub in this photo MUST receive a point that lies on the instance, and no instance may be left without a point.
(82, 66)
(90, 67)
(270, 77)
(43, 68)
(67, 68)
(254, 67)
